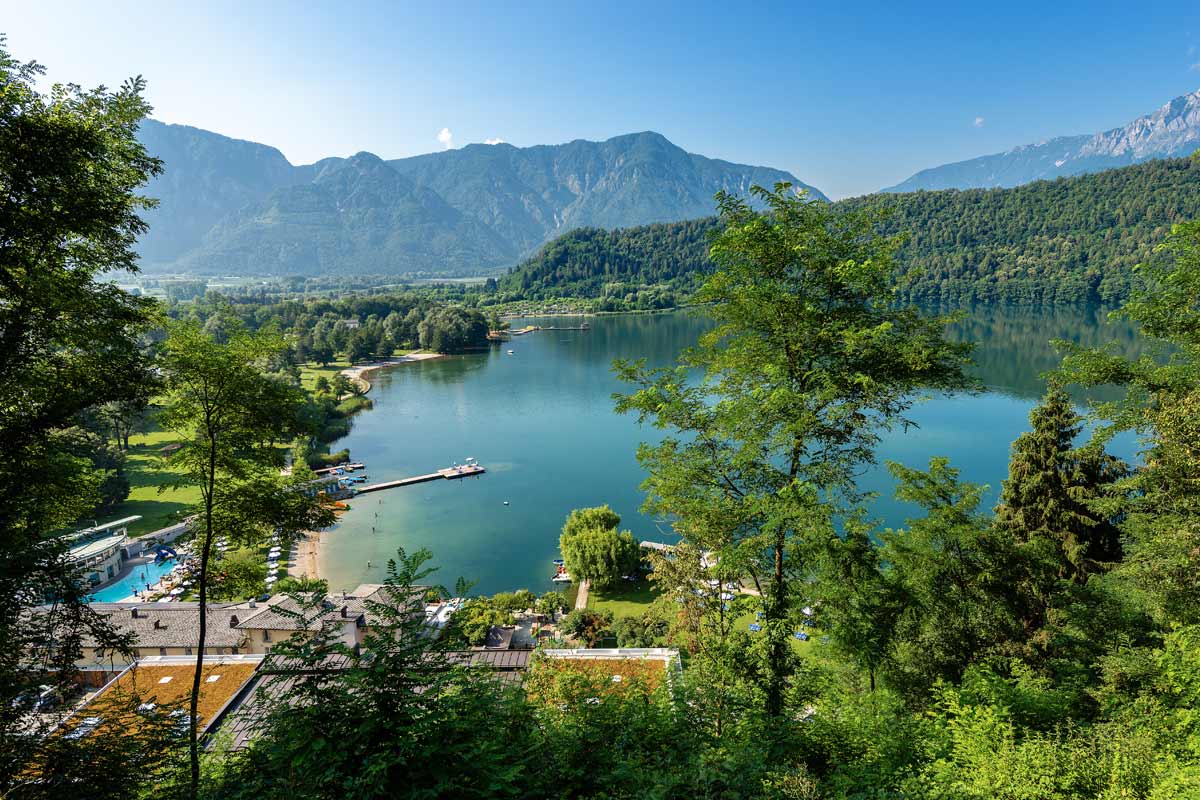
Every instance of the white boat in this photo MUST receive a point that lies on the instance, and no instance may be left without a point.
(510, 352)
(561, 577)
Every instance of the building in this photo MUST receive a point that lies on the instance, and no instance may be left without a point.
(277, 679)
(248, 627)
(161, 685)
(100, 552)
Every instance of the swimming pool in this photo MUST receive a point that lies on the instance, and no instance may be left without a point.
(135, 580)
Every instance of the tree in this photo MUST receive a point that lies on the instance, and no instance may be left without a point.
(859, 600)
(1160, 401)
(125, 417)
(550, 604)
(809, 361)
(426, 725)
(478, 615)
(359, 347)
(322, 351)
(593, 550)
(1052, 489)
(225, 410)
(590, 626)
(956, 575)
(70, 168)
(241, 574)
(452, 329)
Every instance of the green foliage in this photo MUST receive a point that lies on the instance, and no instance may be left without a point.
(70, 167)
(1072, 240)
(593, 550)
(587, 625)
(452, 329)
(1161, 399)
(240, 575)
(471, 623)
(229, 413)
(551, 603)
(1052, 489)
(292, 584)
(648, 630)
(809, 361)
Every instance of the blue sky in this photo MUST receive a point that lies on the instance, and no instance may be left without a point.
(849, 100)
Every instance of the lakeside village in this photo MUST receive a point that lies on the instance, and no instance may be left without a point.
(144, 585)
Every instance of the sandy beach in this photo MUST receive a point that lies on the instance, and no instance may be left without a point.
(359, 373)
(305, 563)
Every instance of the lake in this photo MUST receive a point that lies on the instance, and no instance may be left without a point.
(541, 422)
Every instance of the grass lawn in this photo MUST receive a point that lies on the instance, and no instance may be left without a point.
(312, 371)
(802, 648)
(627, 599)
(158, 510)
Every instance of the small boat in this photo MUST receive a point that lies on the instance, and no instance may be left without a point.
(510, 352)
(561, 577)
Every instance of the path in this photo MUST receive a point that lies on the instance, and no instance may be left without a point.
(581, 599)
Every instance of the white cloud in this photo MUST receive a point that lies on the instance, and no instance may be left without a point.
(446, 138)
(494, 141)
(978, 123)
(1195, 67)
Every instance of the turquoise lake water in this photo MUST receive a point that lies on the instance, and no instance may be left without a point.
(541, 421)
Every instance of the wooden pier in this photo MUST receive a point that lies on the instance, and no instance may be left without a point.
(450, 474)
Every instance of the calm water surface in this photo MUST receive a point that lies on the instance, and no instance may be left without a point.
(541, 421)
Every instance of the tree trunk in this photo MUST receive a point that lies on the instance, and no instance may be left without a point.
(776, 614)
(193, 738)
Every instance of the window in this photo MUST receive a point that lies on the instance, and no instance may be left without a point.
(187, 651)
(162, 651)
(266, 636)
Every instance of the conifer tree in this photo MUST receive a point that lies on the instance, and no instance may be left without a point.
(1051, 490)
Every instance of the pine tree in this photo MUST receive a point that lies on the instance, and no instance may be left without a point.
(1051, 488)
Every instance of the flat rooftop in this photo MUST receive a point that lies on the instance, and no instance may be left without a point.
(116, 523)
(82, 552)
(166, 682)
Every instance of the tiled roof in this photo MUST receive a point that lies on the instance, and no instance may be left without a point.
(171, 624)
(288, 613)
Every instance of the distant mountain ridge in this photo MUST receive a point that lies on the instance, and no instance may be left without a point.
(234, 207)
(1068, 241)
(1171, 131)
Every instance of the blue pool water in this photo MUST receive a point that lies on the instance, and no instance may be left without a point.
(136, 580)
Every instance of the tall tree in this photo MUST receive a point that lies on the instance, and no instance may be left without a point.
(70, 168)
(809, 361)
(1160, 401)
(228, 412)
(592, 548)
(1053, 489)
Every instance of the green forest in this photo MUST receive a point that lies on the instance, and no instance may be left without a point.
(1068, 241)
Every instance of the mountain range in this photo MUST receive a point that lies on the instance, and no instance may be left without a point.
(1073, 240)
(1173, 130)
(234, 207)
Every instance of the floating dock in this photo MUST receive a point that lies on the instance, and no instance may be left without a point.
(450, 474)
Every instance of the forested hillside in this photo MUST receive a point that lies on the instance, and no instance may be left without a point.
(1065, 241)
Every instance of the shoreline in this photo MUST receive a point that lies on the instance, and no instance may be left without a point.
(359, 373)
(306, 563)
